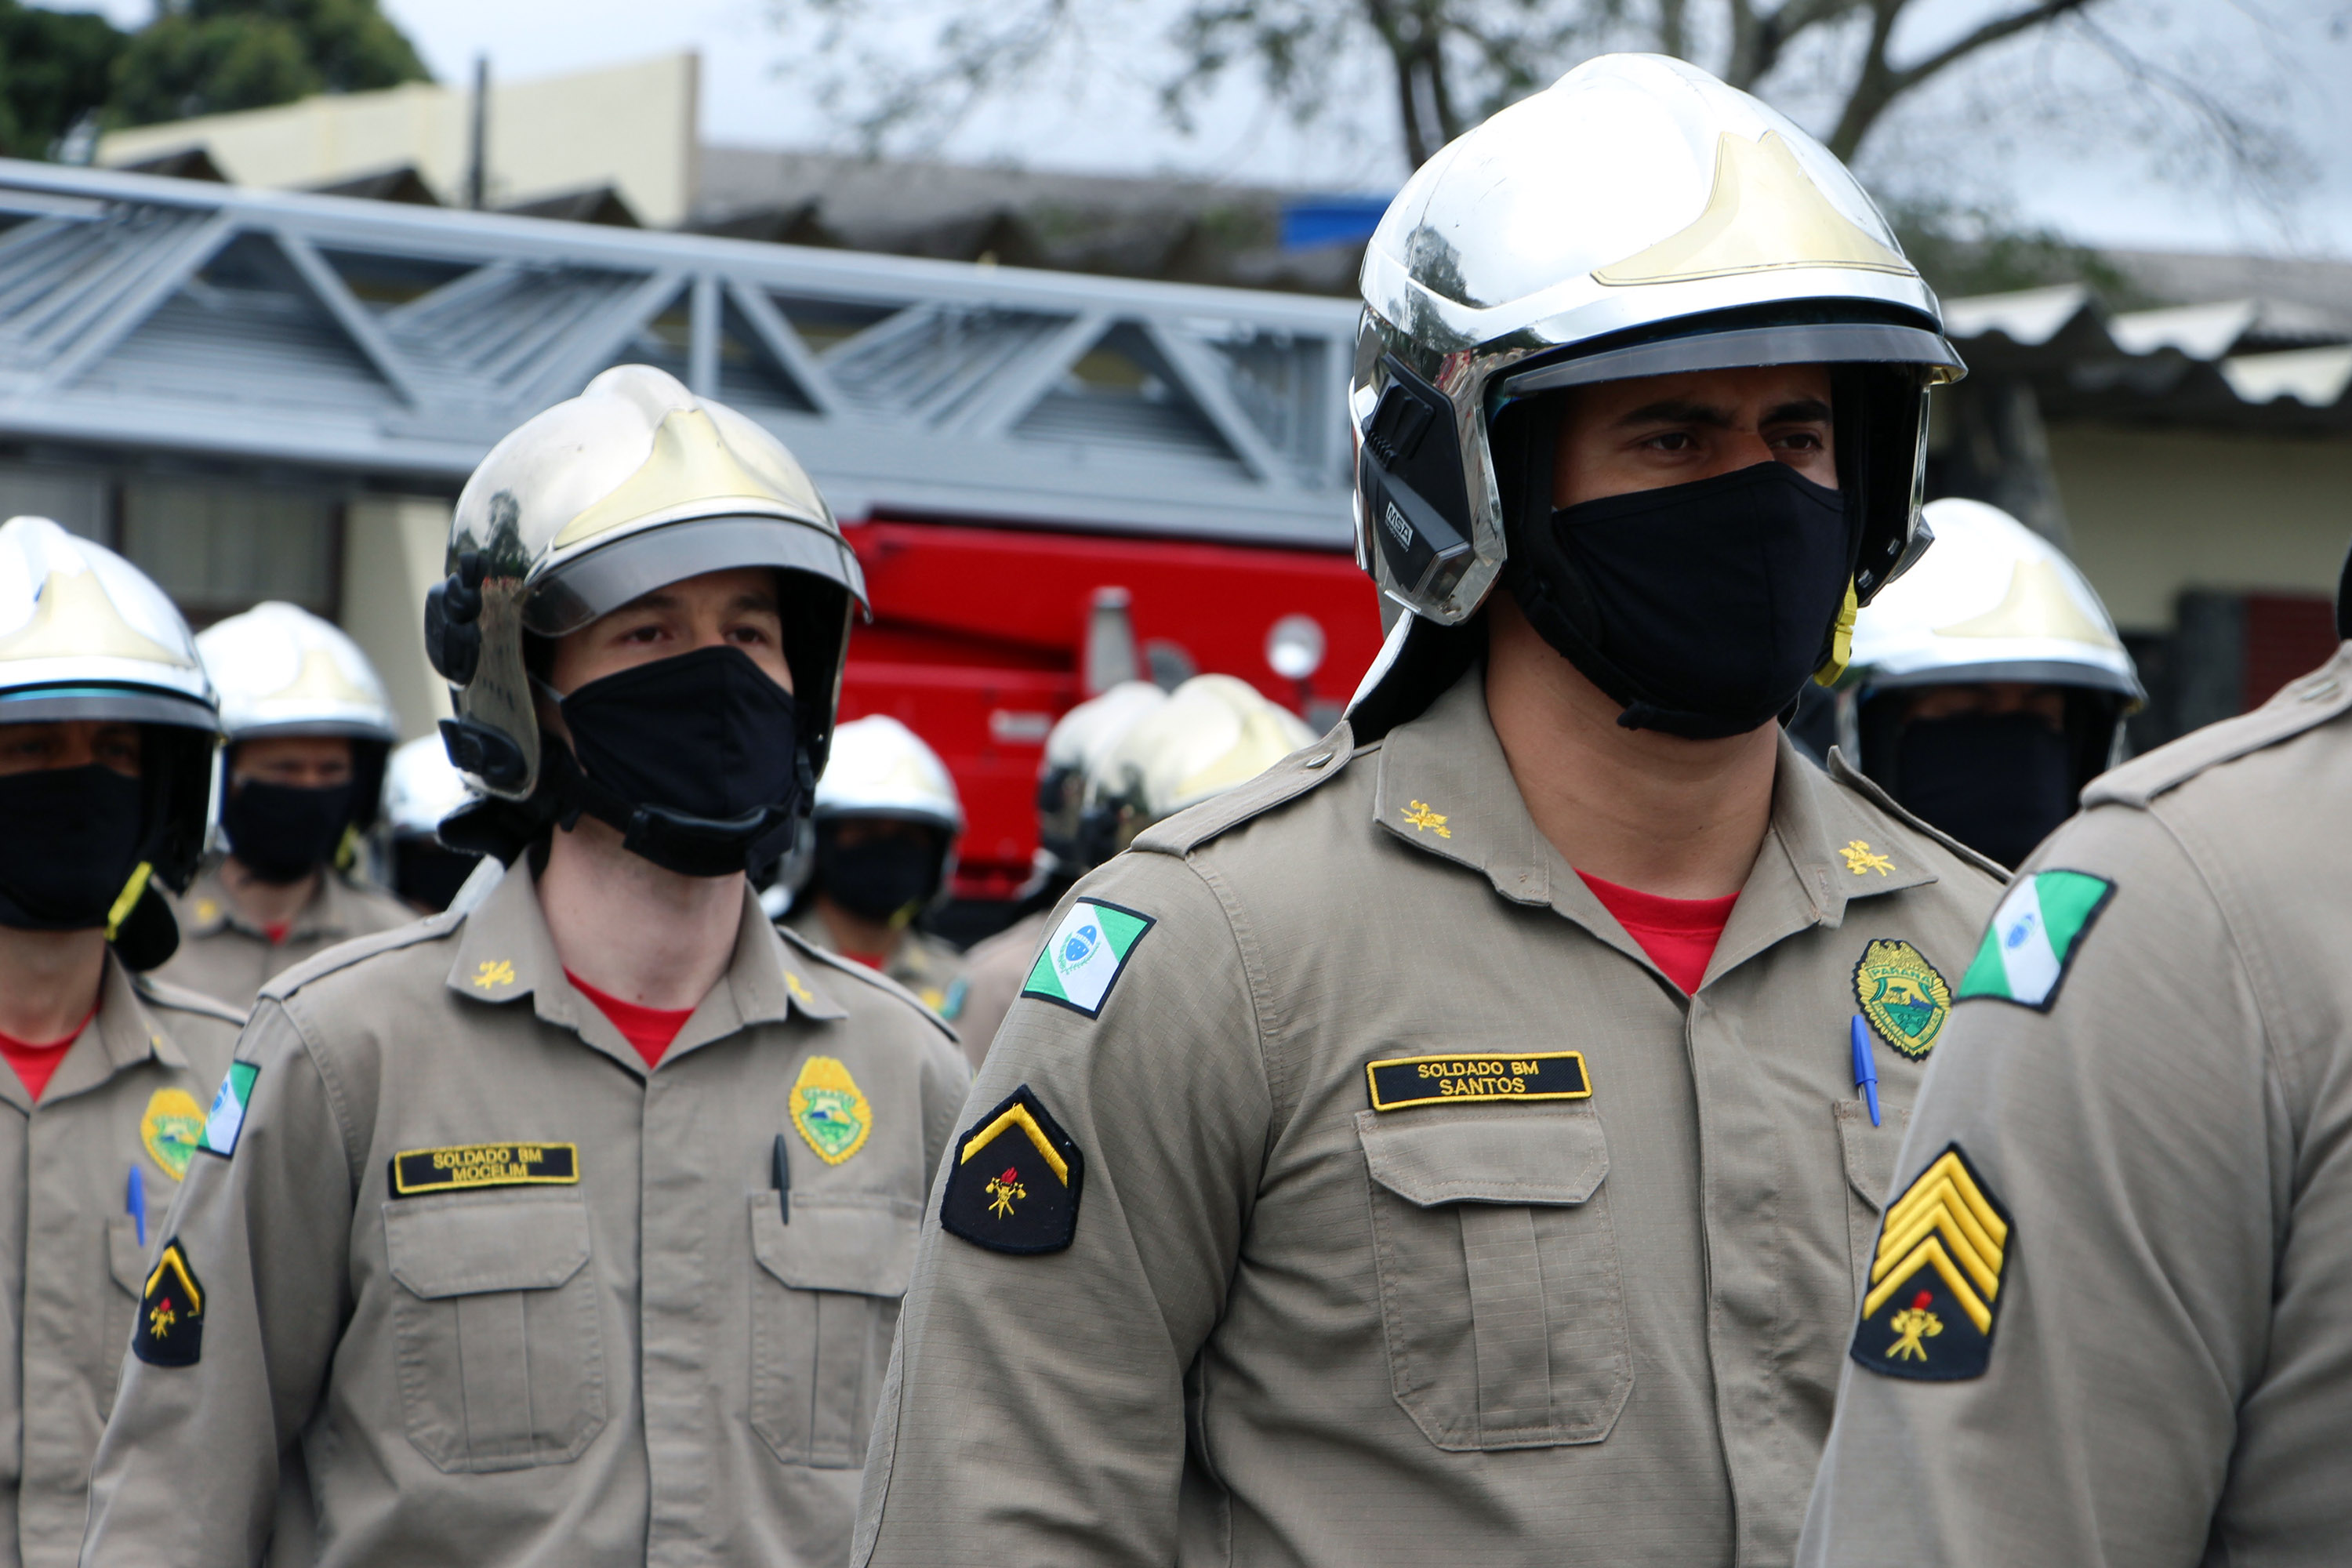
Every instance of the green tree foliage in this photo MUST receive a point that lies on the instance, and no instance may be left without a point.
(55, 67)
(206, 56)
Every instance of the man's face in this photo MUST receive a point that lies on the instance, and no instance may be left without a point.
(1619, 437)
(736, 608)
(69, 743)
(297, 762)
(1993, 699)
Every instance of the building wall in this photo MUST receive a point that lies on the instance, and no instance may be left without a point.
(2153, 513)
(633, 127)
(393, 550)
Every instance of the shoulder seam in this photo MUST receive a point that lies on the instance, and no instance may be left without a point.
(358, 949)
(1278, 786)
(329, 1085)
(185, 999)
(1261, 991)
(859, 972)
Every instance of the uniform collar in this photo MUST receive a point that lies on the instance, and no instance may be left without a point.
(505, 952)
(123, 1035)
(208, 909)
(1445, 787)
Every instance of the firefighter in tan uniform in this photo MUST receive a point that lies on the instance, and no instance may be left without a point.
(1448, 1146)
(308, 727)
(107, 731)
(569, 1225)
(885, 822)
(2107, 1319)
(995, 968)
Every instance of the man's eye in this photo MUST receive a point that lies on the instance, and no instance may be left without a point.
(1671, 441)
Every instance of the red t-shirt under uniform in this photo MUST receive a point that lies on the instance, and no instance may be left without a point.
(1679, 934)
(35, 1061)
(648, 1030)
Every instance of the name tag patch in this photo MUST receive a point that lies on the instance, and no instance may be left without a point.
(470, 1166)
(1400, 1083)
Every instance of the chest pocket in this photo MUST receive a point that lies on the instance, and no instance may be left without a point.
(824, 1306)
(1870, 1154)
(1498, 1264)
(501, 1362)
(121, 1309)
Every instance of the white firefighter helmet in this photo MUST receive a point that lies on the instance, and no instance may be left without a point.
(1993, 601)
(85, 635)
(881, 768)
(1215, 732)
(281, 670)
(632, 485)
(1078, 739)
(635, 484)
(1637, 218)
(420, 787)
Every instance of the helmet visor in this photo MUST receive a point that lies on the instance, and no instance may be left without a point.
(604, 580)
(1811, 342)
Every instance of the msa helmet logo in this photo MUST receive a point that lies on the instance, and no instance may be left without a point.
(1399, 528)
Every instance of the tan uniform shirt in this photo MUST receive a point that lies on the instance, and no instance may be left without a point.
(585, 1334)
(2169, 1374)
(130, 1093)
(224, 955)
(931, 969)
(994, 972)
(1295, 1329)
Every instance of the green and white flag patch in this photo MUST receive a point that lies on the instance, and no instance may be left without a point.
(2035, 933)
(227, 1119)
(1085, 955)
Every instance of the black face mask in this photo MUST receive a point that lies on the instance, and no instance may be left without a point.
(696, 758)
(1701, 608)
(282, 833)
(879, 878)
(72, 835)
(1998, 783)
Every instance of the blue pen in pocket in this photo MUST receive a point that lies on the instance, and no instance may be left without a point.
(1865, 1071)
(136, 1202)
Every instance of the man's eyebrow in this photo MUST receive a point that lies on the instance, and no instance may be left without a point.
(1798, 411)
(1677, 411)
(753, 600)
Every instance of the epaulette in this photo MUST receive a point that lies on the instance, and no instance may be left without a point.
(360, 949)
(179, 998)
(2300, 705)
(1845, 774)
(1294, 775)
(853, 970)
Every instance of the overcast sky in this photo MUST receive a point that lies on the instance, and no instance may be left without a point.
(2044, 125)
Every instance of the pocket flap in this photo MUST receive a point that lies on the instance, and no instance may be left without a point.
(1869, 1150)
(859, 1242)
(1445, 1156)
(465, 1246)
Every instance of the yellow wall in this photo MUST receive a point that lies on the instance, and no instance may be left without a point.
(635, 127)
(2155, 511)
(394, 549)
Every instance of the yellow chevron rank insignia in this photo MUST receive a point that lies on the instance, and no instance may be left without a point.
(1935, 1280)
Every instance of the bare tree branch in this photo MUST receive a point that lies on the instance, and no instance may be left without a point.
(1881, 82)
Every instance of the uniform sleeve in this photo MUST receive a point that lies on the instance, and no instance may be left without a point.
(1035, 1410)
(2134, 1134)
(187, 1471)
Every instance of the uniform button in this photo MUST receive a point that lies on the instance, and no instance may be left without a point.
(1319, 761)
(2321, 690)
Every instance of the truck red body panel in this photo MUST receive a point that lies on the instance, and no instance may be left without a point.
(978, 633)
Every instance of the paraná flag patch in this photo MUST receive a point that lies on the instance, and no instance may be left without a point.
(1083, 958)
(2035, 934)
(227, 1119)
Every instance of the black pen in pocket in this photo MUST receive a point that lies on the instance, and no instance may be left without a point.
(783, 1180)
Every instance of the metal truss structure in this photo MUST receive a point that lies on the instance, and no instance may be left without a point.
(396, 344)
